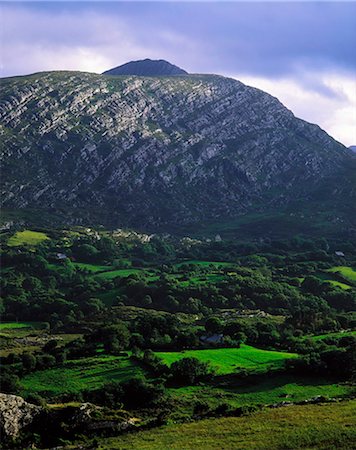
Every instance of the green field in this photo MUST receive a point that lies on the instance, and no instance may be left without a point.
(324, 427)
(346, 272)
(80, 374)
(230, 360)
(27, 237)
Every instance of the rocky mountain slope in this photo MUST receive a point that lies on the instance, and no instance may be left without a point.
(145, 151)
(147, 68)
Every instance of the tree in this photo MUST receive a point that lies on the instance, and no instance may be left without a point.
(28, 361)
(137, 392)
(189, 370)
(213, 325)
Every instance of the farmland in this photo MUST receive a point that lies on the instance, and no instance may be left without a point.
(229, 360)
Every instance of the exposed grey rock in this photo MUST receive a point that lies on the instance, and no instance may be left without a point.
(15, 414)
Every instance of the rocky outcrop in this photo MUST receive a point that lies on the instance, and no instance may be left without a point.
(15, 415)
(159, 150)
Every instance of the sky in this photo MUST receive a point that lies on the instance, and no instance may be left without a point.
(301, 52)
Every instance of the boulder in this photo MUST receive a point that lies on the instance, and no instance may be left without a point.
(15, 414)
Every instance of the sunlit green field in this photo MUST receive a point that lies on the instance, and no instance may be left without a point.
(230, 360)
(80, 374)
(325, 427)
(27, 237)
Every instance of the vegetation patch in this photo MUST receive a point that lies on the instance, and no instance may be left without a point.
(229, 360)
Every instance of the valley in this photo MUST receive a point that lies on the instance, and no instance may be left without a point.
(162, 334)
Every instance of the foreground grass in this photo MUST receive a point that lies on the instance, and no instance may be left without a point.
(229, 360)
(27, 237)
(325, 427)
(80, 374)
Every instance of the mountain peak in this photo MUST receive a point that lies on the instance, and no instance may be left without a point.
(147, 67)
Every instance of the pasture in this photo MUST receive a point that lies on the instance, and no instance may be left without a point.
(229, 360)
(27, 238)
(80, 374)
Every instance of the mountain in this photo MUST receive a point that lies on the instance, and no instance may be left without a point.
(353, 148)
(147, 68)
(154, 152)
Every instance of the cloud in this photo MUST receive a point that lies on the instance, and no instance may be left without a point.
(301, 52)
(336, 113)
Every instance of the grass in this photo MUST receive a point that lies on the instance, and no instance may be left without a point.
(324, 427)
(228, 360)
(27, 237)
(80, 374)
(346, 272)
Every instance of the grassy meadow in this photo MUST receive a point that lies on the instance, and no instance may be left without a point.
(229, 360)
(323, 426)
